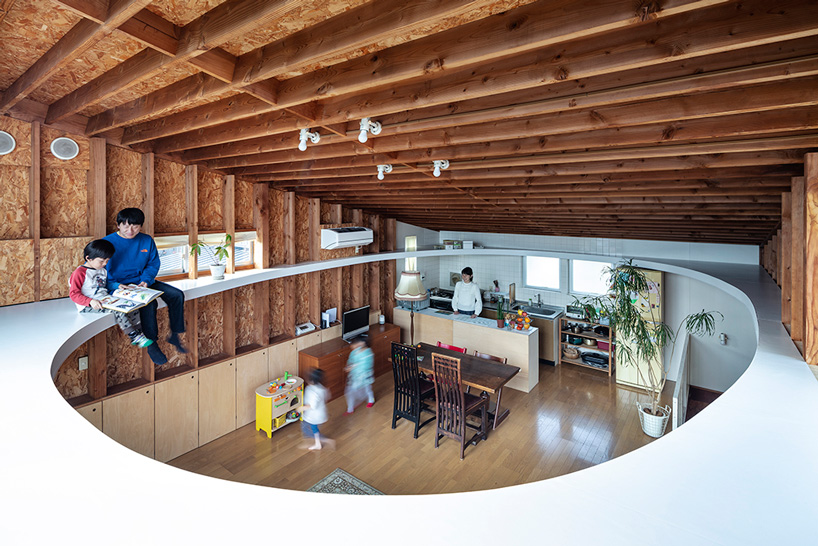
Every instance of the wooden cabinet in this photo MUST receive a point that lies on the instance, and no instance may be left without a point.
(331, 356)
(177, 416)
(252, 370)
(217, 400)
(92, 412)
(606, 341)
(129, 420)
(282, 357)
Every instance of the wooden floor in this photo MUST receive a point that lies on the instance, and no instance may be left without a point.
(573, 419)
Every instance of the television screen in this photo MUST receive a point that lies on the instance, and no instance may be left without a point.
(355, 322)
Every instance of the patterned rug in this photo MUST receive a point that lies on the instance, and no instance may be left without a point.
(343, 483)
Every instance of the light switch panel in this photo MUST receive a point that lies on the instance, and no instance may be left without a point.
(83, 361)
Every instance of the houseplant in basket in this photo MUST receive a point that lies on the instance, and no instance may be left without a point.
(647, 337)
(218, 253)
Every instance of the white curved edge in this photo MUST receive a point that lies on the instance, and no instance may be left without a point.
(741, 472)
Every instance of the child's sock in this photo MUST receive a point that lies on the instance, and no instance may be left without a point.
(156, 354)
(140, 340)
(176, 342)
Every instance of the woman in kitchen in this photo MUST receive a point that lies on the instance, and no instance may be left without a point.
(467, 299)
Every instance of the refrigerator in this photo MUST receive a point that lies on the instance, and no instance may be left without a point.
(651, 307)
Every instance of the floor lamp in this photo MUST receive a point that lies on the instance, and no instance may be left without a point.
(410, 288)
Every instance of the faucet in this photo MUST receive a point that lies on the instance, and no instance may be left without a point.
(539, 300)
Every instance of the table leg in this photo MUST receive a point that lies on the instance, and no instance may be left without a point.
(499, 415)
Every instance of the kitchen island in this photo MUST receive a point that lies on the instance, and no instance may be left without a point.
(520, 347)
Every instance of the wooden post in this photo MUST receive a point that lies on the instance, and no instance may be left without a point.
(811, 259)
(389, 269)
(192, 205)
(314, 279)
(786, 258)
(34, 203)
(798, 266)
(97, 367)
(374, 267)
(229, 208)
(336, 216)
(288, 288)
(357, 270)
(96, 189)
(192, 331)
(229, 322)
(148, 163)
(261, 221)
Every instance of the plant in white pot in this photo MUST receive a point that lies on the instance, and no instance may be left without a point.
(218, 253)
(646, 335)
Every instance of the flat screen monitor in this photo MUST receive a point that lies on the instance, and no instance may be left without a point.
(355, 322)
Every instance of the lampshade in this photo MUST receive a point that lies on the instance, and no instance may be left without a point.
(410, 287)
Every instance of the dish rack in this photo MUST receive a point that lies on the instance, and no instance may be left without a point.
(574, 351)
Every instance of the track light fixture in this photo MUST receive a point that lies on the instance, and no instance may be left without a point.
(367, 125)
(383, 169)
(440, 164)
(306, 134)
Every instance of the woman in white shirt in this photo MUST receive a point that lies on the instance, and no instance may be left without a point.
(467, 299)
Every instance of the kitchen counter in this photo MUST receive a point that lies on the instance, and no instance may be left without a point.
(520, 347)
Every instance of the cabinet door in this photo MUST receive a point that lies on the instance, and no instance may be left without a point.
(334, 374)
(382, 347)
(217, 401)
(308, 340)
(177, 416)
(283, 358)
(128, 419)
(92, 412)
(251, 371)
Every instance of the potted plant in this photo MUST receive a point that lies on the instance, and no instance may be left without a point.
(218, 254)
(647, 337)
(501, 322)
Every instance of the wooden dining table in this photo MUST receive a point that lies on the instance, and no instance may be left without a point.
(485, 375)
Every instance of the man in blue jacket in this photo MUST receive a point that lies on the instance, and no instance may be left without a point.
(136, 261)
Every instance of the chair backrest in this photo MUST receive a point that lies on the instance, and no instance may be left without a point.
(406, 374)
(500, 359)
(451, 347)
(449, 397)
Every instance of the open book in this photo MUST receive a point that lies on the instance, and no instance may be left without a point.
(127, 298)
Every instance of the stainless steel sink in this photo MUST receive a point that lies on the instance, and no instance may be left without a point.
(543, 311)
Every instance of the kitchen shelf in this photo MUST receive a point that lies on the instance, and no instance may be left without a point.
(564, 330)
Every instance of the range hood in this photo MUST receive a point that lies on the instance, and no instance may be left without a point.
(344, 237)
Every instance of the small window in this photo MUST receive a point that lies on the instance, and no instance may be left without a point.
(172, 254)
(589, 277)
(411, 244)
(245, 242)
(208, 255)
(542, 272)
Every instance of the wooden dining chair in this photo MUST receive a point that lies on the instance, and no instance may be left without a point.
(452, 347)
(500, 359)
(453, 405)
(410, 389)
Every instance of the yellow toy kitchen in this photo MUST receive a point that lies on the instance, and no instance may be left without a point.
(278, 403)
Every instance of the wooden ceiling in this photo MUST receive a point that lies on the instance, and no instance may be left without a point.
(649, 119)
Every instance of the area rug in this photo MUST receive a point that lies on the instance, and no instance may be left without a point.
(339, 482)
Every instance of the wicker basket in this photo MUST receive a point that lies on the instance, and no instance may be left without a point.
(570, 352)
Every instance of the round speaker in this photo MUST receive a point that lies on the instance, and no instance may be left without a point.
(64, 148)
(7, 143)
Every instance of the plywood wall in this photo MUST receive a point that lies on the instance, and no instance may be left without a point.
(15, 206)
(123, 170)
(175, 358)
(302, 230)
(63, 188)
(277, 318)
(211, 201)
(245, 316)
(58, 259)
(244, 204)
(17, 267)
(302, 308)
(328, 291)
(276, 207)
(123, 360)
(211, 331)
(169, 197)
(70, 381)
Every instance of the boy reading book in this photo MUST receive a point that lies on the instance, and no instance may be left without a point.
(88, 285)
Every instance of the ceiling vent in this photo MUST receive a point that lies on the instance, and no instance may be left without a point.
(64, 148)
(7, 143)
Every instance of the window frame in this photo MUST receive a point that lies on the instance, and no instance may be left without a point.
(543, 288)
(571, 289)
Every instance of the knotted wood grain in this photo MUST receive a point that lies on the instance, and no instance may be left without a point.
(244, 204)
(211, 201)
(17, 265)
(123, 170)
(169, 197)
(14, 202)
(211, 332)
(123, 360)
(245, 315)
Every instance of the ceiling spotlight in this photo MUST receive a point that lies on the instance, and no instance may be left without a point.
(439, 165)
(383, 169)
(306, 134)
(370, 126)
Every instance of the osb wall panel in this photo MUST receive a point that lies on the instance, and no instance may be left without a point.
(302, 311)
(181, 13)
(47, 159)
(245, 323)
(337, 252)
(123, 360)
(103, 56)
(14, 202)
(211, 332)
(276, 207)
(29, 30)
(244, 204)
(123, 170)
(17, 266)
(346, 287)
(277, 319)
(58, 259)
(211, 201)
(70, 381)
(63, 203)
(175, 358)
(302, 230)
(326, 211)
(21, 131)
(169, 197)
(328, 291)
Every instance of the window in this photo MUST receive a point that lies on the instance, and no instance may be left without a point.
(245, 242)
(173, 254)
(589, 277)
(411, 243)
(542, 272)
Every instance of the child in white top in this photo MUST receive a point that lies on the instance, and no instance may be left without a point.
(314, 410)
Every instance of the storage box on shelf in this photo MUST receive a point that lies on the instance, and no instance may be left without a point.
(604, 344)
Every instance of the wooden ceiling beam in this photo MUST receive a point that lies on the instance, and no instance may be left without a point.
(74, 43)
